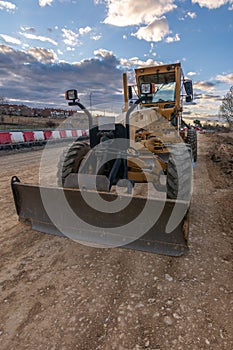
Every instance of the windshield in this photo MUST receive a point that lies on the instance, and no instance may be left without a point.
(164, 93)
(164, 86)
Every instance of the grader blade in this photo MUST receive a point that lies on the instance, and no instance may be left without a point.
(104, 219)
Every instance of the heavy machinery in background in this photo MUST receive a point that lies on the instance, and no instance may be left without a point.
(147, 146)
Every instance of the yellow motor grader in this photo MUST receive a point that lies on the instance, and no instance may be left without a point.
(95, 202)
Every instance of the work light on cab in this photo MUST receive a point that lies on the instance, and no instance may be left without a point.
(147, 88)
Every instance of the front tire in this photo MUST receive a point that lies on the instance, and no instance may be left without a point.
(179, 173)
(71, 160)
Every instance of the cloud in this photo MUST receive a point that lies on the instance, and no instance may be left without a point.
(8, 6)
(171, 39)
(103, 53)
(60, 52)
(191, 15)
(96, 37)
(43, 55)
(44, 3)
(38, 37)
(85, 30)
(191, 74)
(123, 13)
(36, 75)
(204, 85)
(69, 37)
(28, 29)
(205, 104)
(10, 39)
(109, 59)
(148, 15)
(10, 58)
(72, 39)
(206, 97)
(134, 62)
(155, 31)
(228, 78)
(212, 4)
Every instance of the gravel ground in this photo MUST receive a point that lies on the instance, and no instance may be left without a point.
(57, 294)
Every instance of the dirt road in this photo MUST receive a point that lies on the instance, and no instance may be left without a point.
(57, 294)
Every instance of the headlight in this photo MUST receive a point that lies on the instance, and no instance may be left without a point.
(146, 88)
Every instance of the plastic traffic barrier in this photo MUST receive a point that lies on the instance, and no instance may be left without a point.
(69, 134)
(56, 134)
(39, 135)
(47, 134)
(28, 136)
(5, 138)
(62, 134)
(17, 136)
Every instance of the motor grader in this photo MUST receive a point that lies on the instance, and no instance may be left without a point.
(144, 147)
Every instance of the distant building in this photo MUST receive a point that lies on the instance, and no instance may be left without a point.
(25, 111)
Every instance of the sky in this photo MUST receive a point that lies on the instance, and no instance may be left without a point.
(49, 46)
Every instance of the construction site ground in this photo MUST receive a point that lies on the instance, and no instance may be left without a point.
(59, 295)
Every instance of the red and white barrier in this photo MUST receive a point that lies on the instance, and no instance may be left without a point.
(74, 133)
(17, 136)
(39, 135)
(29, 136)
(5, 138)
(47, 134)
(33, 137)
(63, 134)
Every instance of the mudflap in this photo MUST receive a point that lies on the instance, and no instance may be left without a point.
(105, 219)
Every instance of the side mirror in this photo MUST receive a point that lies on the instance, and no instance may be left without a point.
(188, 86)
(189, 98)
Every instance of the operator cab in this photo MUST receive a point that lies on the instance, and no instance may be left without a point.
(157, 88)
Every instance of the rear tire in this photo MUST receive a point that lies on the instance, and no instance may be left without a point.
(192, 141)
(71, 160)
(179, 173)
